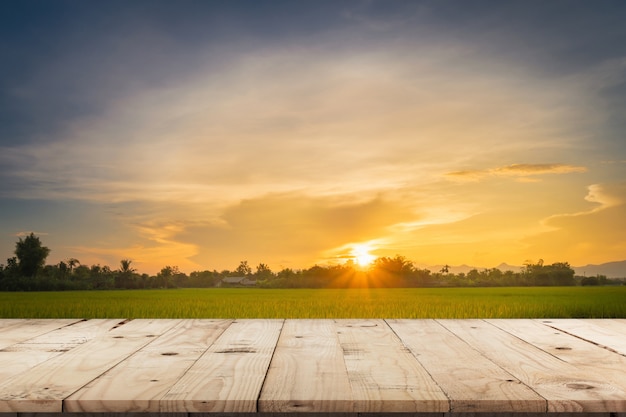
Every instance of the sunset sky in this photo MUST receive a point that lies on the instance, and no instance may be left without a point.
(294, 133)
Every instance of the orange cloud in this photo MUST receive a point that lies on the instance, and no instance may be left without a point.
(537, 169)
(157, 245)
(522, 171)
(591, 236)
(292, 229)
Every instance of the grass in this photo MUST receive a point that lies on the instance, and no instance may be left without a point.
(545, 302)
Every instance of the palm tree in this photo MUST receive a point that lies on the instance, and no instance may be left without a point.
(125, 277)
(72, 263)
(125, 266)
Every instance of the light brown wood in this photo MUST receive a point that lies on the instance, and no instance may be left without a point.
(139, 382)
(605, 333)
(20, 357)
(8, 323)
(307, 373)
(472, 382)
(529, 414)
(107, 415)
(46, 385)
(584, 355)
(341, 368)
(229, 376)
(19, 330)
(564, 386)
(383, 374)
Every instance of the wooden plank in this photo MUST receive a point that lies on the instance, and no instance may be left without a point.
(5, 323)
(139, 382)
(603, 332)
(20, 357)
(109, 415)
(44, 387)
(307, 373)
(564, 386)
(229, 376)
(16, 331)
(513, 414)
(586, 356)
(472, 382)
(383, 374)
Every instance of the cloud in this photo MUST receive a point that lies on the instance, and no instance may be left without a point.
(27, 233)
(327, 117)
(522, 172)
(288, 151)
(590, 236)
(293, 229)
(538, 169)
(156, 244)
(604, 196)
(467, 175)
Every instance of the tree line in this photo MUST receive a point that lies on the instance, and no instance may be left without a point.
(27, 271)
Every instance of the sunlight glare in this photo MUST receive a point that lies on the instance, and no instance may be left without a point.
(362, 255)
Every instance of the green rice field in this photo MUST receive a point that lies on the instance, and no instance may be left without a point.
(526, 302)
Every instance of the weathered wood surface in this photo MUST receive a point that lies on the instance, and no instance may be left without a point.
(249, 367)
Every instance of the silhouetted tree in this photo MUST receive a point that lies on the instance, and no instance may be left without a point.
(125, 276)
(243, 269)
(73, 263)
(31, 255)
(263, 272)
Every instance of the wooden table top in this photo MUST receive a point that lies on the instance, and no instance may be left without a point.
(328, 366)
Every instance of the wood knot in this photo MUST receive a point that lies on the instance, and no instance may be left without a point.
(579, 386)
(237, 350)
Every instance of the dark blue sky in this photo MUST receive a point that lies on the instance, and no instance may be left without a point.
(63, 60)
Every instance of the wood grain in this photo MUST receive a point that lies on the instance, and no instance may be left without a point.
(229, 376)
(307, 373)
(19, 330)
(472, 382)
(46, 385)
(564, 386)
(586, 356)
(20, 357)
(341, 368)
(139, 382)
(605, 333)
(383, 374)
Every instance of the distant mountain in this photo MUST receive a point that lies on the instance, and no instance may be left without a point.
(610, 269)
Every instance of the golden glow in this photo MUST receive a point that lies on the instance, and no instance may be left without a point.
(362, 255)
(192, 191)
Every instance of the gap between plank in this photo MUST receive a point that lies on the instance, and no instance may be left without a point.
(548, 324)
(63, 410)
(421, 364)
(269, 365)
(496, 364)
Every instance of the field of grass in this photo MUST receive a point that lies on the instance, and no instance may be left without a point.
(547, 302)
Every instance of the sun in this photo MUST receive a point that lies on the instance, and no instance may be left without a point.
(362, 255)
